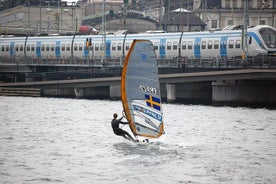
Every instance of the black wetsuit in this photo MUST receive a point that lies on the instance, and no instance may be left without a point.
(118, 131)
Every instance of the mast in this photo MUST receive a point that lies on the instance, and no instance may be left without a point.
(103, 58)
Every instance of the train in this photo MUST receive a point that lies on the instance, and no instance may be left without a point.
(261, 40)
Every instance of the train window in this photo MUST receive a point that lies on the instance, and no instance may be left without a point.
(52, 47)
(32, 47)
(127, 46)
(47, 47)
(68, 47)
(28, 47)
(75, 46)
(96, 47)
(169, 46)
(21, 47)
(113, 46)
(210, 44)
(156, 45)
(231, 44)
(7, 48)
(3, 48)
(216, 44)
(63, 47)
(80, 47)
(203, 45)
(16, 48)
(119, 46)
(43, 47)
(238, 44)
(184, 45)
(190, 45)
(38, 48)
(175, 45)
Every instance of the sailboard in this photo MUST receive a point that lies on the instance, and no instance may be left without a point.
(140, 91)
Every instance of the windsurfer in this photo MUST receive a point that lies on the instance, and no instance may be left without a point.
(117, 130)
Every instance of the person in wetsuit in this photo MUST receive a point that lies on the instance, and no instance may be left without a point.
(117, 130)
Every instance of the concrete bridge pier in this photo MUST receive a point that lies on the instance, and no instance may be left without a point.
(253, 93)
(115, 92)
(171, 92)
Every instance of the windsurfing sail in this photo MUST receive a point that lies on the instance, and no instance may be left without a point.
(140, 90)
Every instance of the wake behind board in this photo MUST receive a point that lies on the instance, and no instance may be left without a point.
(140, 91)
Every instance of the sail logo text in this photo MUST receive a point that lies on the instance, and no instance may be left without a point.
(148, 112)
(147, 89)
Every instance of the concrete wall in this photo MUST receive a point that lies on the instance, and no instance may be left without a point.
(252, 93)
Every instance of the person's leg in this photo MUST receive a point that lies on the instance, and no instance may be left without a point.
(128, 136)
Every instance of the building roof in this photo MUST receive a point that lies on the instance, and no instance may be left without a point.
(182, 18)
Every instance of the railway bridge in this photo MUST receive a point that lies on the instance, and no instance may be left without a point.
(249, 87)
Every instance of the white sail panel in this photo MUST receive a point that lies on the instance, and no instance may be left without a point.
(140, 90)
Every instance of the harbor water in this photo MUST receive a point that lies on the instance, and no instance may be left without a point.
(51, 140)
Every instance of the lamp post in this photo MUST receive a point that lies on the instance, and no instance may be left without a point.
(245, 24)
(103, 58)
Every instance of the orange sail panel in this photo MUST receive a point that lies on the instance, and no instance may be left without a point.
(140, 90)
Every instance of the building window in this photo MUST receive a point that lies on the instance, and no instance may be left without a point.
(262, 22)
(214, 24)
(234, 4)
(227, 4)
(229, 22)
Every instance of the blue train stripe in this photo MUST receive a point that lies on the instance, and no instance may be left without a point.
(85, 50)
(58, 49)
(162, 49)
(107, 49)
(12, 49)
(38, 49)
(223, 46)
(197, 47)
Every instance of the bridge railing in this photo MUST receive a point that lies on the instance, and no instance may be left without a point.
(177, 62)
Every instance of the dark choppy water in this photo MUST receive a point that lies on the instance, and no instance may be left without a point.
(47, 140)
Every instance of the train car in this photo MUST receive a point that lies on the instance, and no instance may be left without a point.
(195, 45)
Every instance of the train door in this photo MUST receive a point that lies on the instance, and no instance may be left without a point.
(223, 46)
(197, 48)
(162, 50)
(38, 49)
(58, 43)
